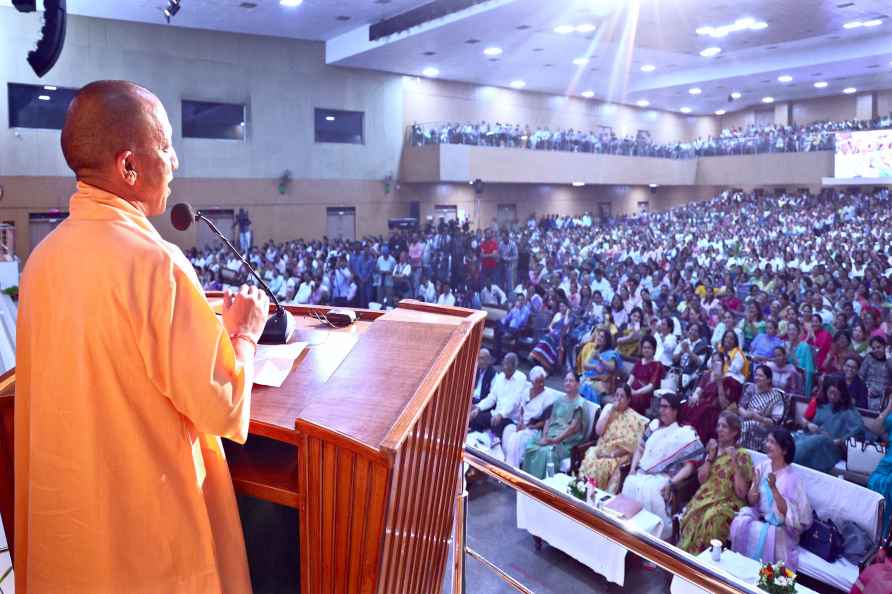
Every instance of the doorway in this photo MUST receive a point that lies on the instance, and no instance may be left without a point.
(40, 224)
(506, 215)
(341, 223)
(224, 219)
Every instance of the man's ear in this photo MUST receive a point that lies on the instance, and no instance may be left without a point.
(126, 168)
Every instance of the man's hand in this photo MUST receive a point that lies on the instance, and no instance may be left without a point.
(495, 420)
(245, 312)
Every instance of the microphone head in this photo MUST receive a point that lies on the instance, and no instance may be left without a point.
(181, 216)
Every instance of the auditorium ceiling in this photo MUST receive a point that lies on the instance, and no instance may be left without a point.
(629, 51)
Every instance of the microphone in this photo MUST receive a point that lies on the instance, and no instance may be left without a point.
(281, 325)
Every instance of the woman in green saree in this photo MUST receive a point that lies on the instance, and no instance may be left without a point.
(563, 430)
(724, 477)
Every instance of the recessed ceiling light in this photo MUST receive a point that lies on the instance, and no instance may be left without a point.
(784, 78)
(852, 25)
(580, 61)
(695, 90)
(758, 26)
(291, 3)
(849, 90)
(518, 84)
(329, 118)
(585, 28)
(767, 99)
(872, 23)
(242, 124)
(736, 95)
(430, 72)
(648, 68)
(821, 84)
(44, 97)
(685, 109)
(653, 185)
(588, 94)
(49, 87)
(720, 112)
(740, 24)
(578, 184)
(711, 52)
(492, 51)
(642, 103)
(564, 29)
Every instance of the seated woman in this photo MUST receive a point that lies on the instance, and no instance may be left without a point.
(801, 355)
(821, 445)
(880, 479)
(735, 364)
(769, 529)
(599, 367)
(549, 351)
(533, 412)
(645, 376)
(563, 430)
(761, 409)
(665, 457)
(628, 339)
(784, 374)
(724, 478)
(714, 393)
(619, 430)
(854, 384)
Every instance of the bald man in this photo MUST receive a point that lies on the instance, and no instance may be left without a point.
(126, 379)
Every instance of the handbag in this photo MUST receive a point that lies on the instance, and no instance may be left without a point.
(823, 539)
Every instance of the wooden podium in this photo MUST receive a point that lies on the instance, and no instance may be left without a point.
(364, 439)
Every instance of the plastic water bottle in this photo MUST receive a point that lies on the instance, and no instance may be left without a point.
(549, 469)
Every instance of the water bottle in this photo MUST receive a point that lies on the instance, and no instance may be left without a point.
(549, 469)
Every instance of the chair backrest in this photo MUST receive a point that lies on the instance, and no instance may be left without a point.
(590, 411)
(839, 499)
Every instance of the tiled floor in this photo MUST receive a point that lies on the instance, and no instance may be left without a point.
(7, 585)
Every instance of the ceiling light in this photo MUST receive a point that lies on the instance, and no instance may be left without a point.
(872, 23)
(648, 68)
(652, 185)
(580, 61)
(852, 25)
(695, 90)
(564, 29)
(329, 118)
(585, 28)
(173, 7)
(767, 99)
(710, 52)
(430, 72)
(242, 124)
(849, 90)
(821, 84)
(736, 95)
(588, 94)
(642, 103)
(49, 87)
(741, 24)
(291, 3)
(44, 97)
(685, 110)
(578, 184)
(784, 78)
(492, 51)
(720, 112)
(518, 84)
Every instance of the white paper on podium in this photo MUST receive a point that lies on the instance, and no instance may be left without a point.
(273, 362)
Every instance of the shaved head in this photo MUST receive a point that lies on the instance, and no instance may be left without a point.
(105, 117)
(117, 137)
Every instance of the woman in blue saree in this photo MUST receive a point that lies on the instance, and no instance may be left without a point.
(820, 445)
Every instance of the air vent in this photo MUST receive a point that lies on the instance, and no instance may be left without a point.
(430, 53)
(472, 41)
(342, 18)
(771, 47)
(248, 5)
(538, 49)
(874, 66)
(419, 16)
(523, 27)
(845, 5)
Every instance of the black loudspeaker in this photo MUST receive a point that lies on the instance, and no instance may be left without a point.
(49, 47)
(25, 5)
(415, 210)
(404, 223)
(479, 186)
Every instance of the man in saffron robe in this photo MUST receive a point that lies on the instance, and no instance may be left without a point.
(126, 379)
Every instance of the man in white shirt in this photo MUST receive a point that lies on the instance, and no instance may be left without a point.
(427, 292)
(666, 342)
(501, 407)
(493, 295)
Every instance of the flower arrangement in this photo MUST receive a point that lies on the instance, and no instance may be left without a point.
(777, 579)
(580, 487)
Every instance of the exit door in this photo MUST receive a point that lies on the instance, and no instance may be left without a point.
(341, 223)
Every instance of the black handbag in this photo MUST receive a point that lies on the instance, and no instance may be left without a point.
(823, 539)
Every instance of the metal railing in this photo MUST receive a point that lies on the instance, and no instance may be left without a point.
(651, 548)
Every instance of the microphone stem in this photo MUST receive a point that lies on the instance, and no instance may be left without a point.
(272, 296)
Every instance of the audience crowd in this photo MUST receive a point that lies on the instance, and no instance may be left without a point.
(817, 136)
(691, 328)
